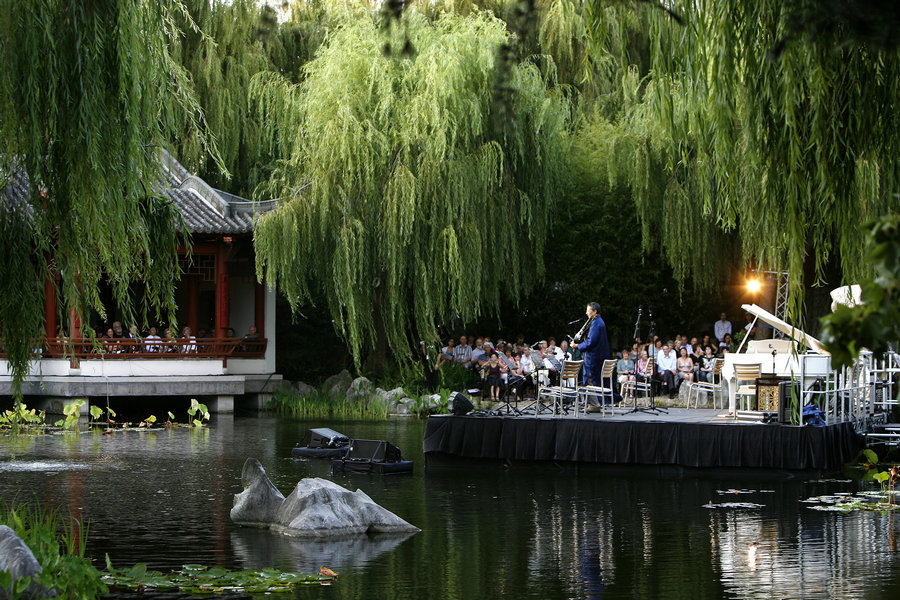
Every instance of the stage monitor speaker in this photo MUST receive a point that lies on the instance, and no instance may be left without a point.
(375, 450)
(460, 405)
(325, 438)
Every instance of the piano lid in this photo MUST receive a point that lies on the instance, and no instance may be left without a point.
(783, 326)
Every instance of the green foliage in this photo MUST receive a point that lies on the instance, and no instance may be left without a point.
(400, 186)
(321, 405)
(454, 376)
(198, 410)
(867, 457)
(21, 417)
(88, 94)
(202, 581)
(776, 161)
(96, 411)
(58, 546)
(875, 324)
(71, 412)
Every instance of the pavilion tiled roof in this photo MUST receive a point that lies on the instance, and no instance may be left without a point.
(205, 209)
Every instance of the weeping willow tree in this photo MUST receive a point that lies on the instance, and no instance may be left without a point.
(88, 94)
(405, 196)
(232, 41)
(772, 142)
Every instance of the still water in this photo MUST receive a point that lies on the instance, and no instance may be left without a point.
(163, 498)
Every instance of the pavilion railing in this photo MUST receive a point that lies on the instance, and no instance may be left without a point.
(128, 348)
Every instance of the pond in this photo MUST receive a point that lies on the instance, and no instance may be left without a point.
(164, 498)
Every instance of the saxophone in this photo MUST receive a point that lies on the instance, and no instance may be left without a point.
(580, 335)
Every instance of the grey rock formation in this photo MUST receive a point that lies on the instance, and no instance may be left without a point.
(318, 507)
(337, 385)
(301, 388)
(392, 395)
(401, 407)
(360, 390)
(17, 558)
(258, 504)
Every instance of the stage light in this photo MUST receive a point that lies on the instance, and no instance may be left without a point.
(753, 286)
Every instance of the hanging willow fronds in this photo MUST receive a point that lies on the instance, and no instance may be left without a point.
(400, 200)
(88, 94)
(787, 156)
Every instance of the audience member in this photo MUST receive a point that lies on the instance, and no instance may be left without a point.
(151, 341)
(494, 381)
(707, 364)
(625, 367)
(189, 342)
(685, 366)
(643, 369)
(721, 327)
(462, 354)
(666, 369)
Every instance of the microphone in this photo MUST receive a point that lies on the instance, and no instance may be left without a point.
(575, 321)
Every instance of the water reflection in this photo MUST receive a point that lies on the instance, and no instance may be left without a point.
(163, 498)
(259, 548)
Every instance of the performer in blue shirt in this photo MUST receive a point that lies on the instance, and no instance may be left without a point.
(594, 347)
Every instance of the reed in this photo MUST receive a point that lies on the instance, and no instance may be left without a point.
(321, 405)
(57, 543)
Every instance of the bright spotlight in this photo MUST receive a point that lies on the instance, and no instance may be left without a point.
(753, 285)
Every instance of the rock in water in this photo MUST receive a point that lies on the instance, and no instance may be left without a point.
(318, 507)
(17, 558)
(258, 504)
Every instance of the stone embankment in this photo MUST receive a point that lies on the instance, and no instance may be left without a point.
(362, 390)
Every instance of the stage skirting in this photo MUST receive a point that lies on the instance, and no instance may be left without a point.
(569, 440)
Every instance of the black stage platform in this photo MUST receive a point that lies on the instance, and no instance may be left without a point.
(702, 438)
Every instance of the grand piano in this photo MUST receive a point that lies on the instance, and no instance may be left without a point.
(777, 357)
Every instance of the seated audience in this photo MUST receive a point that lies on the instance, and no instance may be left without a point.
(685, 365)
(625, 367)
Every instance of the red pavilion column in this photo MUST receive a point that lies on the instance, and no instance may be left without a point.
(50, 323)
(222, 292)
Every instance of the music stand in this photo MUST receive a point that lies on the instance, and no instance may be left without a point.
(651, 401)
(505, 399)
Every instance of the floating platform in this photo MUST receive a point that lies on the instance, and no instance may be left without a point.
(306, 452)
(371, 466)
(701, 438)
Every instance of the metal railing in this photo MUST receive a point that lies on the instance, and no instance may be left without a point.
(136, 348)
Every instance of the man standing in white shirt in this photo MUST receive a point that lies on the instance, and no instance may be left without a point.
(722, 326)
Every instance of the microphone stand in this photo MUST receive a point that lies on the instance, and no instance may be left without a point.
(637, 325)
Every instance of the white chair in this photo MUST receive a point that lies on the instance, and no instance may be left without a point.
(746, 376)
(713, 386)
(600, 392)
(561, 394)
(643, 388)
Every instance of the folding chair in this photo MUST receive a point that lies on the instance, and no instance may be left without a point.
(562, 393)
(746, 383)
(713, 387)
(602, 391)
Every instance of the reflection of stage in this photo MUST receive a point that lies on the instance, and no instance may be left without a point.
(684, 437)
(261, 548)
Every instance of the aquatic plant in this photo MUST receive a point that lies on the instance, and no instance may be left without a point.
(201, 580)
(199, 411)
(21, 417)
(58, 546)
(320, 404)
(71, 412)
